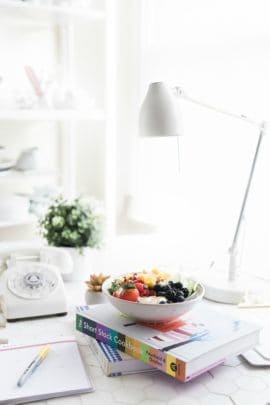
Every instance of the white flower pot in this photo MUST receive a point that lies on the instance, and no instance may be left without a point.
(81, 264)
(93, 298)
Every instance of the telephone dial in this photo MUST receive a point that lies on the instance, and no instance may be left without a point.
(32, 286)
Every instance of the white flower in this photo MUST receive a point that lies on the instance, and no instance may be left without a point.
(58, 222)
(74, 235)
(75, 213)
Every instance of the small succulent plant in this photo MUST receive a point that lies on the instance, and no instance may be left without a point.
(95, 282)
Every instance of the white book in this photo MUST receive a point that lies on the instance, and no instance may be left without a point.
(61, 373)
(114, 362)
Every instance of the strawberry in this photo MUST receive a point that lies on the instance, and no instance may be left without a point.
(139, 286)
(129, 293)
(145, 292)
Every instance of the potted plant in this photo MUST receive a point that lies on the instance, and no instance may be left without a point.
(93, 294)
(76, 226)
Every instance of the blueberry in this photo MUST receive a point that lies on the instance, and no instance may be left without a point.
(171, 295)
(179, 296)
(185, 292)
(178, 285)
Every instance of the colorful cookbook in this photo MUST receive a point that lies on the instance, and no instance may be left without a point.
(184, 349)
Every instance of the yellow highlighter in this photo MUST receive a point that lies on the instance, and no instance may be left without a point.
(33, 365)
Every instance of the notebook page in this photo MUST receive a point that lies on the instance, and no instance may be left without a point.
(62, 372)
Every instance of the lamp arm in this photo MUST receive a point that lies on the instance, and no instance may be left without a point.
(234, 249)
(179, 92)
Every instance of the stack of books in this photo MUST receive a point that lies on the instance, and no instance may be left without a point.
(184, 349)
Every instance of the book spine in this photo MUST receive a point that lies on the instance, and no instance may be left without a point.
(139, 350)
(103, 361)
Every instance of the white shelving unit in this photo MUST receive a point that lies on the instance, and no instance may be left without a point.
(51, 115)
(27, 13)
(62, 20)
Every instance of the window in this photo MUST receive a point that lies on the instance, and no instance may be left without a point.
(219, 52)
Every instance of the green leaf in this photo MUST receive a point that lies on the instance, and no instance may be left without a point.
(128, 286)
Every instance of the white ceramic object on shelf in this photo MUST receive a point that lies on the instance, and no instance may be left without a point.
(154, 312)
(81, 264)
(29, 159)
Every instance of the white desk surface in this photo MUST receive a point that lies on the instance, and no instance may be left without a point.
(234, 383)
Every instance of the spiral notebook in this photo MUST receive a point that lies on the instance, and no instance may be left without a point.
(62, 373)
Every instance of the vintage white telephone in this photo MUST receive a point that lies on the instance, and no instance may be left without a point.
(32, 286)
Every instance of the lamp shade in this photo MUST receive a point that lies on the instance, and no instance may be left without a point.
(158, 115)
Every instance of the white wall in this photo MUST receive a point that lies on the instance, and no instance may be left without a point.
(218, 52)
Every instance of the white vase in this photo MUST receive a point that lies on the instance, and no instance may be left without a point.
(93, 297)
(81, 264)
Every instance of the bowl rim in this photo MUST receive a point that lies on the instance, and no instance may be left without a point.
(193, 300)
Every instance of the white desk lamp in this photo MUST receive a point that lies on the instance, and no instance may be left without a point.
(159, 117)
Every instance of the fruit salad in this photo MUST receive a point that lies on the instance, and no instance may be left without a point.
(155, 287)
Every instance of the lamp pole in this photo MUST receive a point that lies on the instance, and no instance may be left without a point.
(233, 251)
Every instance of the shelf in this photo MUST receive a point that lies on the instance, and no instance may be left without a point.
(17, 175)
(51, 115)
(31, 220)
(35, 14)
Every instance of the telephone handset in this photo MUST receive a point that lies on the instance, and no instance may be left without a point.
(32, 285)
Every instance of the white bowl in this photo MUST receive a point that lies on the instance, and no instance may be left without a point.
(154, 313)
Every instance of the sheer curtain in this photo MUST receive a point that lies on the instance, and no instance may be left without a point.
(219, 53)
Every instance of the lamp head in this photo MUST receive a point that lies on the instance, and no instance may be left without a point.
(158, 115)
